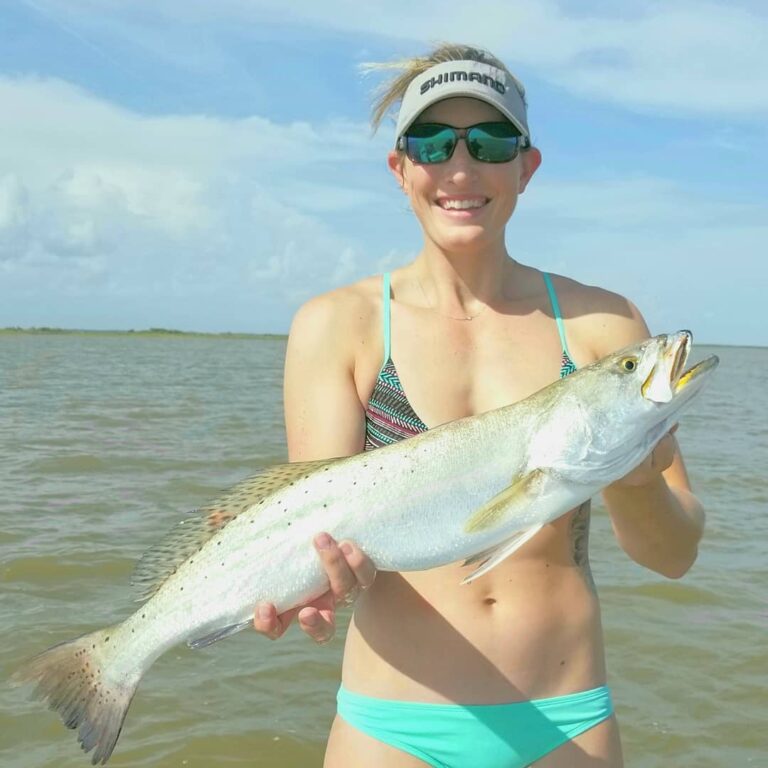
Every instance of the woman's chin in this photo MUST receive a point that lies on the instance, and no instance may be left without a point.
(466, 238)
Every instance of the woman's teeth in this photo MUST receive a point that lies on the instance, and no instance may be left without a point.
(462, 204)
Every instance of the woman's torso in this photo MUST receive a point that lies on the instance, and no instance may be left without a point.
(531, 627)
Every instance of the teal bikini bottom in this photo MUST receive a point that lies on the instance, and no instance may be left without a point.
(482, 736)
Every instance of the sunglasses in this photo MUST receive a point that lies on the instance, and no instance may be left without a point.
(430, 143)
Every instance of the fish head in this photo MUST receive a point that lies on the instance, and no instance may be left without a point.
(628, 400)
(651, 377)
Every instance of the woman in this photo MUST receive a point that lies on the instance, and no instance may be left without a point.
(463, 329)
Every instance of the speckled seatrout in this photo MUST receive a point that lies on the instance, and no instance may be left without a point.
(473, 489)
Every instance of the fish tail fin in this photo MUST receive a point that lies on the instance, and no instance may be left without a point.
(74, 679)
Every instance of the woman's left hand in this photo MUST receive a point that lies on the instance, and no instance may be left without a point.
(649, 470)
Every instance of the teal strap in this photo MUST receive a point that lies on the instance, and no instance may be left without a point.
(386, 315)
(556, 310)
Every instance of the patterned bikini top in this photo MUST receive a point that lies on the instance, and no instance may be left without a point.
(389, 416)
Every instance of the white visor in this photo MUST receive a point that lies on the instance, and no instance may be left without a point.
(472, 79)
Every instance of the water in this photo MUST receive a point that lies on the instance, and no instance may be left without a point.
(106, 440)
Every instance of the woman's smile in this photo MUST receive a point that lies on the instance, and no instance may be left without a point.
(463, 207)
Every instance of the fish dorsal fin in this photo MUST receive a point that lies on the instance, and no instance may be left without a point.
(494, 556)
(162, 560)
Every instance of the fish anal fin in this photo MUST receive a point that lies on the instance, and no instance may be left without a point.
(219, 634)
(162, 560)
(520, 492)
(502, 552)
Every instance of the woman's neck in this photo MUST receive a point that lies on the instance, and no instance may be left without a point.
(462, 284)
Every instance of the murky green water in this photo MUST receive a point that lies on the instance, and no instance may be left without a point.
(106, 441)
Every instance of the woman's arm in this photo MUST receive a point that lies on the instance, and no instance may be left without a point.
(656, 518)
(324, 419)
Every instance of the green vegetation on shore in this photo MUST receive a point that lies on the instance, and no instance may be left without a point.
(146, 332)
(164, 332)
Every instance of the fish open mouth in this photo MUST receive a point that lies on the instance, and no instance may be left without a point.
(669, 377)
(695, 372)
(681, 378)
(680, 352)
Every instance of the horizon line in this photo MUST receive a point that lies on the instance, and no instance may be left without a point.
(157, 331)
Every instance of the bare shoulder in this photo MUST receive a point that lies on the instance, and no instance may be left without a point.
(330, 334)
(603, 320)
(341, 317)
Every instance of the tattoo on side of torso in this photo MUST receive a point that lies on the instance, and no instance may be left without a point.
(580, 541)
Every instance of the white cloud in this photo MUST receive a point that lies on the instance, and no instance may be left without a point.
(120, 219)
(678, 57)
(13, 203)
(96, 198)
(635, 203)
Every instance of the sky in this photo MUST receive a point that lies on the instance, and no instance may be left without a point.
(209, 166)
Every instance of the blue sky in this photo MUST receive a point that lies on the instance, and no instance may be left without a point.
(209, 166)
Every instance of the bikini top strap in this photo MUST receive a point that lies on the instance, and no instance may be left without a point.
(557, 312)
(386, 315)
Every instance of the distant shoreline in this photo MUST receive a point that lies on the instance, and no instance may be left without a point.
(153, 332)
(172, 332)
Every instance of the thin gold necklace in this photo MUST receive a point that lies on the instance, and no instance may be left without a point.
(449, 317)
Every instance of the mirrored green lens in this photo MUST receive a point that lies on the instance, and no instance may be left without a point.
(493, 142)
(430, 143)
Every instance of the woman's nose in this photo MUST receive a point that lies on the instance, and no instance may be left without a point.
(461, 162)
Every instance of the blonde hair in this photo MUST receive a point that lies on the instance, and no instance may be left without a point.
(391, 92)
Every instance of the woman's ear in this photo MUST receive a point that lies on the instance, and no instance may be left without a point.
(531, 160)
(395, 161)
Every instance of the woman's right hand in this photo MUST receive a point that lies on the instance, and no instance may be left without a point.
(349, 571)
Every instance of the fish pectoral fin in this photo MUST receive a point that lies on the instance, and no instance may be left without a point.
(219, 634)
(494, 556)
(518, 494)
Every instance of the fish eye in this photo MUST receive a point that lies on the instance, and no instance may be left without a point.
(629, 364)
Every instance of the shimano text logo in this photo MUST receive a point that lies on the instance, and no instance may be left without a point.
(451, 77)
